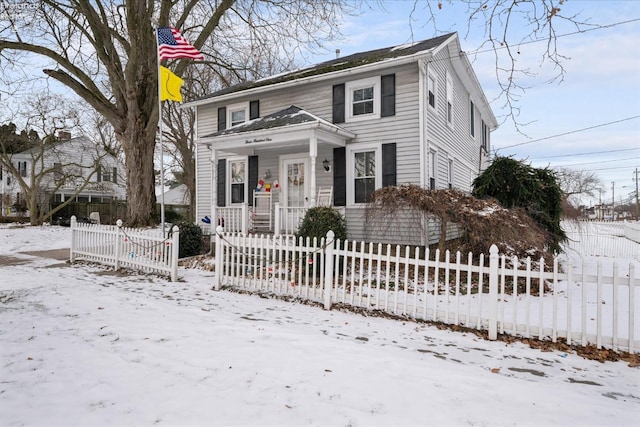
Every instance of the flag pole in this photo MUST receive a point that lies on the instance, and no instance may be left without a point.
(160, 136)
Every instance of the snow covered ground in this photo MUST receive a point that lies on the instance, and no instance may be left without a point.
(82, 345)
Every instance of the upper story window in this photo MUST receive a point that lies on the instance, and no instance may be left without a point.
(363, 99)
(107, 174)
(22, 169)
(472, 119)
(237, 113)
(449, 100)
(431, 90)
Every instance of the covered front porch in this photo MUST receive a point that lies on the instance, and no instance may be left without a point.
(268, 171)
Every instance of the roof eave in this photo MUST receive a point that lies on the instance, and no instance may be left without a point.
(319, 77)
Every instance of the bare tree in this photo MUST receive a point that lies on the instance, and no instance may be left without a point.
(105, 52)
(577, 183)
(508, 26)
(39, 167)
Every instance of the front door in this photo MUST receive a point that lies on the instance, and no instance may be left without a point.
(296, 183)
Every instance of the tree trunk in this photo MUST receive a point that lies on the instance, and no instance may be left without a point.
(141, 197)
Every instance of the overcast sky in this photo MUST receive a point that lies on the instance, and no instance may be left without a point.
(601, 84)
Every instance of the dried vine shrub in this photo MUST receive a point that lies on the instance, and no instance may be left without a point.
(483, 221)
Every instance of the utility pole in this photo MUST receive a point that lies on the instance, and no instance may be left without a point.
(613, 200)
(637, 201)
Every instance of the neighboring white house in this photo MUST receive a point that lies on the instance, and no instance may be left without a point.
(69, 162)
(407, 114)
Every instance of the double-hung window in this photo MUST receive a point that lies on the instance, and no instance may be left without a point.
(237, 113)
(364, 175)
(432, 169)
(22, 169)
(472, 119)
(449, 91)
(431, 90)
(238, 172)
(363, 99)
(485, 136)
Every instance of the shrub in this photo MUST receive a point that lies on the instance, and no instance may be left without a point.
(190, 239)
(319, 220)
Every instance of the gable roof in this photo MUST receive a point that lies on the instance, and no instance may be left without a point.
(338, 64)
(292, 115)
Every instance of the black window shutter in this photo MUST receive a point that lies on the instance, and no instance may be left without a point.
(254, 109)
(388, 84)
(222, 118)
(388, 164)
(115, 175)
(99, 173)
(338, 103)
(339, 176)
(253, 176)
(222, 174)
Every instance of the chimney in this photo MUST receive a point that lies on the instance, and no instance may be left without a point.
(64, 135)
(337, 53)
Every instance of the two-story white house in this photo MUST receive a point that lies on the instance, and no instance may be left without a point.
(412, 114)
(60, 170)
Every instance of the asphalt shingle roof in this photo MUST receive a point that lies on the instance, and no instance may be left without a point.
(342, 63)
(289, 116)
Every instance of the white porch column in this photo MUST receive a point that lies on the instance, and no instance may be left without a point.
(313, 153)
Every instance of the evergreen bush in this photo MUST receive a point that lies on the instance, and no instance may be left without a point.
(190, 239)
(319, 220)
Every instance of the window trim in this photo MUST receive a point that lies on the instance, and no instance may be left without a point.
(432, 160)
(450, 171)
(449, 105)
(472, 118)
(430, 78)
(350, 160)
(351, 86)
(233, 108)
(484, 143)
(229, 181)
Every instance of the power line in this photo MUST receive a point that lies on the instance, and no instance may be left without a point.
(599, 27)
(569, 133)
(595, 163)
(585, 154)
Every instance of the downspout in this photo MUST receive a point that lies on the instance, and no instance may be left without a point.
(423, 69)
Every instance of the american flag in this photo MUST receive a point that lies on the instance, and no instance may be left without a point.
(171, 45)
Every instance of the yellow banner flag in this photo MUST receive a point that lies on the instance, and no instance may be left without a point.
(170, 85)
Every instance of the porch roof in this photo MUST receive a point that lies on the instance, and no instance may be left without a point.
(292, 115)
(289, 127)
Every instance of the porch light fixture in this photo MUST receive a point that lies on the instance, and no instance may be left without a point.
(327, 165)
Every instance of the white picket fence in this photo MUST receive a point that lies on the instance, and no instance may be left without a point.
(121, 247)
(494, 293)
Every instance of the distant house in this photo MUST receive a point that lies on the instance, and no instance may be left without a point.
(62, 168)
(413, 113)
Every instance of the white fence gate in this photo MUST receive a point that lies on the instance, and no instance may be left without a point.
(494, 293)
(143, 250)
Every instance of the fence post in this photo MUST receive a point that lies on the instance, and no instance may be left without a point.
(276, 218)
(329, 243)
(493, 292)
(175, 251)
(218, 279)
(117, 248)
(245, 218)
(73, 239)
